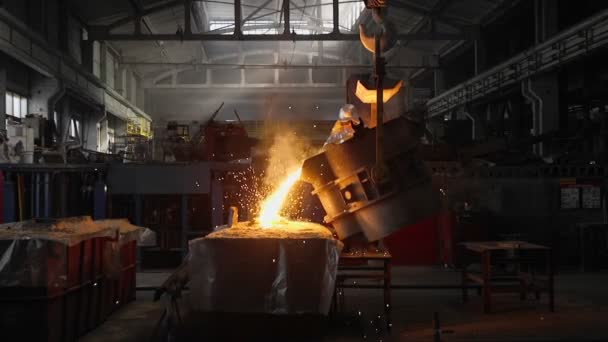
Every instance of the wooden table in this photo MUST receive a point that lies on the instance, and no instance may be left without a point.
(356, 266)
(521, 256)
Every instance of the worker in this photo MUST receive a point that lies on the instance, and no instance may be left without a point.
(343, 128)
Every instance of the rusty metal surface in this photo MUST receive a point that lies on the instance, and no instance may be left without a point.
(354, 201)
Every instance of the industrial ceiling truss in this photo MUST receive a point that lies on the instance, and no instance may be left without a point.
(335, 33)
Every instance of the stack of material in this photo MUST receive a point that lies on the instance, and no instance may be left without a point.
(48, 252)
(120, 264)
(287, 269)
(52, 273)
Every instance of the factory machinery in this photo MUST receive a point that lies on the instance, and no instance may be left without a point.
(212, 141)
(370, 181)
(373, 179)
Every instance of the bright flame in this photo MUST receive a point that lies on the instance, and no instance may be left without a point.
(271, 207)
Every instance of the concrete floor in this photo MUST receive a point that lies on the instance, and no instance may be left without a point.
(581, 312)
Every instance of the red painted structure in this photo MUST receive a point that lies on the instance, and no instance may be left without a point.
(416, 244)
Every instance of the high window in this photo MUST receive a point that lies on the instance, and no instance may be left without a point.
(16, 105)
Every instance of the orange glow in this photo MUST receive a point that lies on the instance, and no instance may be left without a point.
(369, 95)
(270, 211)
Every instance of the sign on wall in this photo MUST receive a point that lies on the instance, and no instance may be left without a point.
(570, 197)
(580, 194)
(591, 197)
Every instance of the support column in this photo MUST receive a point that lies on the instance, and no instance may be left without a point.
(120, 82)
(64, 119)
(310, 62)
(47, 195)
(100, 199)
(127, 91)
(545, 20)
(133, 87)
(32, 186)
(2, 97)
(546, 88)
(550, 19)
(9, 199)
(336, 16)
(185, 224)
(476, 57)
(217, 200)
(2, 190)
(276, 71)
(241, 61)
(36, 195)
(286, 17)
(103, 54)
(188, 17)
(438, 82)
(138, 210)
(139, 222)
(237, 18)
(63, 189)
(139, 94)
(87, 54)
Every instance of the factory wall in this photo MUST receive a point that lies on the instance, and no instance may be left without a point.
(251, 103)
(46, 61)
(42, 90)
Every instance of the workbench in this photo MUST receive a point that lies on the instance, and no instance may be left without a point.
(508, 266)
(356, 266)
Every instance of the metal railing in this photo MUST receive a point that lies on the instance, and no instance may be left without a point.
(564, 47)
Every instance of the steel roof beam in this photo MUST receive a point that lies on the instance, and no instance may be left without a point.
(271, 66)
(257, 10)
(100, 33)
(144, 12)
(426, 13)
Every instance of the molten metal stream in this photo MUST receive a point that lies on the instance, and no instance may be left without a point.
(271, 207)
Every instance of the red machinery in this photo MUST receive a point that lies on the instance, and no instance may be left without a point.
(225, 141)
(214, 141)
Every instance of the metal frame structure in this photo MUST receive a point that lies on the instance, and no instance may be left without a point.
(273, 66)
(562, 48)
(103, 32)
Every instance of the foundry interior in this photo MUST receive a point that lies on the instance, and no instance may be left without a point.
(303, 170)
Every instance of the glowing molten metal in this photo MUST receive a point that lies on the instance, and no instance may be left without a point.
(270, 211)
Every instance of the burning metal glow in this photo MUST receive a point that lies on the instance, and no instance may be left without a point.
(271, 207)
(369, 95)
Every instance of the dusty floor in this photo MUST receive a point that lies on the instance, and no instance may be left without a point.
(581, 312)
